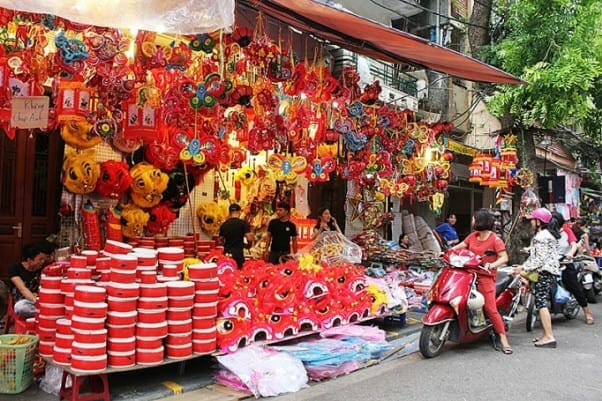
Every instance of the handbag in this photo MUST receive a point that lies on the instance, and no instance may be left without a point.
(561, 296)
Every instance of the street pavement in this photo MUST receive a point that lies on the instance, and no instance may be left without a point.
(475, 372)
(467, 372)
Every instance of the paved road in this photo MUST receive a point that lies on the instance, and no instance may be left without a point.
(476, 372)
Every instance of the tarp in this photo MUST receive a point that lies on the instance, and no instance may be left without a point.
(378, 41)
(163, 16)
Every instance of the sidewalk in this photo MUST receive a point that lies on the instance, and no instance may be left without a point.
(196, 382)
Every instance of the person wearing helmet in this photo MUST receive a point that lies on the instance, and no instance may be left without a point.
(544, 258)
(492, 250)
(567, 247)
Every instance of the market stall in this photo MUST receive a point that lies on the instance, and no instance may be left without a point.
(162, 133)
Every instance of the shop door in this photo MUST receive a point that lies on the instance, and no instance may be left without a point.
(29, 184)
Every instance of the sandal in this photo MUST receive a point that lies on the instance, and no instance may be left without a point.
(507, 350)
(589, 320)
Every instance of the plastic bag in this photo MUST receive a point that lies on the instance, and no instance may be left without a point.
(332, 247)
(51, 382)
(266, 372)
(561, 296)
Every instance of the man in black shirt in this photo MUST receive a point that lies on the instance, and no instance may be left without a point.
(280, 233)
(232, 234)
(25, 279)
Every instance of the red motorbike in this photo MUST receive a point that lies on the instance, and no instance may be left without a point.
(455, 307)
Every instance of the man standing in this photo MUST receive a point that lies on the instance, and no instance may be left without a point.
(25, 279)
(232, 234)
(280, 232)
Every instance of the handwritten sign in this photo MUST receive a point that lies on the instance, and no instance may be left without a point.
(29, 112)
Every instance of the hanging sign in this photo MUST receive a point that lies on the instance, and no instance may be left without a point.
(29, 111)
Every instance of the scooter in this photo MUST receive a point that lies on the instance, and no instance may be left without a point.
(455, 307)
(569, 309)
(589, 276)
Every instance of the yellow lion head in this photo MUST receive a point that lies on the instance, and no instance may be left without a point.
(148, 184)
(80, 172)
(133, 220)
(78, 133)
(211, 216)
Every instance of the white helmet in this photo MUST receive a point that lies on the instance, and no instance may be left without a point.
(476, 300)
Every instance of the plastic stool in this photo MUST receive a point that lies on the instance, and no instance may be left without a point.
(92, 391)
(12, 319)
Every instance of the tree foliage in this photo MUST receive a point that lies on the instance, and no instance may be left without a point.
(555, 46)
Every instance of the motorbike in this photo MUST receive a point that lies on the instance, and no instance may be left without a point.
(455, 307)
(569, 309)
(589, 276)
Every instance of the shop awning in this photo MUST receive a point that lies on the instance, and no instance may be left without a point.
(378, 41)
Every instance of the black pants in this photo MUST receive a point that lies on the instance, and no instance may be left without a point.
(572, 284)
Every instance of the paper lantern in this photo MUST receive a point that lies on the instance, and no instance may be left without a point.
(509, 155)
(494, 173)
(74, 100)
(474, 170)
(141, 122)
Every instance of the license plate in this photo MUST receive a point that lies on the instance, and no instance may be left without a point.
(588, 279)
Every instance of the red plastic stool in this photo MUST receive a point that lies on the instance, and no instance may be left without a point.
(12, 319)
(85, 388)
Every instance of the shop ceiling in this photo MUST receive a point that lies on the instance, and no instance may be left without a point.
(377, 41)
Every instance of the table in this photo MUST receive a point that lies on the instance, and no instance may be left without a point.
(94, 386)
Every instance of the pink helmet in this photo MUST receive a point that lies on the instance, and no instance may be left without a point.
(542, 214)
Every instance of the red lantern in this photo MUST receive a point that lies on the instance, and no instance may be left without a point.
(475, 172)
(494, 173)
(74, 100)
(141, 122)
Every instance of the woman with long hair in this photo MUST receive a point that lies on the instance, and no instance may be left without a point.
(492, 250)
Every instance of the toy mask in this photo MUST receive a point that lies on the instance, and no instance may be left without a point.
(79, 134)
(114, 179)
(211, 216)
(160, 219)
(133, 220)
(148, 185)
(80, 172)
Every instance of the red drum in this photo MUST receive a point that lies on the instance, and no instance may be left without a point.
(204, 334)
(127, 261)
(116, 331)
(122, 304)
(151, 315)
(179, 338)
(90, 336)
(123, 276)
(157, 290)
(78, 261)
(87, 323)
(63, 326)
(88, 349)
(179, 313)
(50, 282)
(46, 348)
(148, 342)
(202, 271)
(52, 309)
(89, 293)
(208, 284)
(50, 296)
(179, 351)
(61, 356)
(152, 303)
(117, 247)
(203, 346)
(63, 340)
(200, 323)
(88, 364)
(180, 289)
(121, 359)
(123, 290)
(91, 256)
(179, 326)
(122, 318)
(150, 356)
(89, 309)
(121, 344)
(151, 330)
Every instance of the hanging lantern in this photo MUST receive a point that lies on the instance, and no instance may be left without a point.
(475, 172)
(509, 155)
(485, 160)
(141, 122)
(74, 100)
(494, 173)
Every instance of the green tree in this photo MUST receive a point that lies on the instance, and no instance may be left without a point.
(555, 46)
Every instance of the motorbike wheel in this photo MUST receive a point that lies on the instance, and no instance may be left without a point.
(531, 313)
(571, 309)
(430, 344)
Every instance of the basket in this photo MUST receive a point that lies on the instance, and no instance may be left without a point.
(16, 362)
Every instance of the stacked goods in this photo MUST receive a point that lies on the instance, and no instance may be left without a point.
(122, 299)
(206, 287)
(425, 234)
(408, 226)
(89, 345)
(421, 235)
(370, 242)
(151, 326)
(180, 296)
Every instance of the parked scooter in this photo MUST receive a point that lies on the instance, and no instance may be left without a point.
(589, 276)
(569, 309)
(455, 307)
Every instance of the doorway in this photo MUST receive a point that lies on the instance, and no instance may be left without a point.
(29, 188)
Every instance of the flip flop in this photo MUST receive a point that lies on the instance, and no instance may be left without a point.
(507, 350)
(549, 344)
(536, 339)
(589, 320)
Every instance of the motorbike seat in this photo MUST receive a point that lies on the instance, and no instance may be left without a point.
(502, 281)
